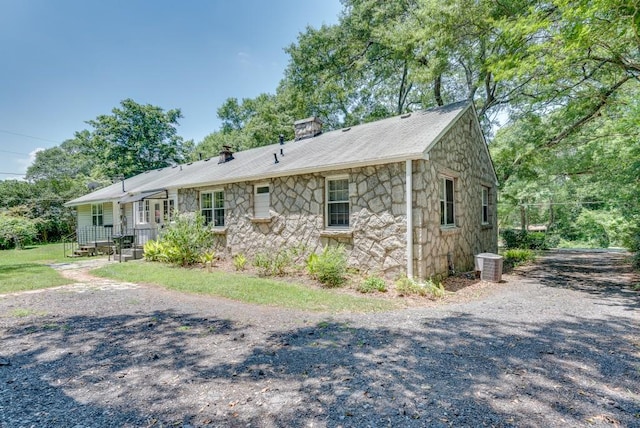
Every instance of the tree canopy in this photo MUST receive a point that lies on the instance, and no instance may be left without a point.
(136, 138)
(555, 84)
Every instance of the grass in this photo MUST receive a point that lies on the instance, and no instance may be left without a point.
(27, 269)
(243, 288)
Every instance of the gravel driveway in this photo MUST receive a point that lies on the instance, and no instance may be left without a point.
(555, 345)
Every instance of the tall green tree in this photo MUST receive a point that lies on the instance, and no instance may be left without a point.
(135, 138)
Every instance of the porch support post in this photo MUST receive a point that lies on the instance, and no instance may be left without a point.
(409, 208)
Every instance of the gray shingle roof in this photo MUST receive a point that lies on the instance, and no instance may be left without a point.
(394, 139)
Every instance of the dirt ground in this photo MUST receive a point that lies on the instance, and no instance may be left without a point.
(556, 344)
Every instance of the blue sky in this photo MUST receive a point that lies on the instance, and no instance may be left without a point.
(67, 61)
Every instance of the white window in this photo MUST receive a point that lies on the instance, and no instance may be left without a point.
(447, 206)
(212, 207)
(337, 202)
(262, 202)
(168, 208)
(97, 215)
(485, 205)
(143, 212)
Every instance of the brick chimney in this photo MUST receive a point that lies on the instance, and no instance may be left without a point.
(307, 128)
(225, 154)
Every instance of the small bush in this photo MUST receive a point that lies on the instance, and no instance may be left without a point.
(16, 232)
(239, 262)
(523, 239)
(410, 287)
(518, 256)
(371, 284)
(329, 267)
(207, 258)
(535, 240)
(185, 241)
(274, 263)
(154, 251)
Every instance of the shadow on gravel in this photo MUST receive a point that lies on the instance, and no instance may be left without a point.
(118, 356)
(169, 369)
(599, 273)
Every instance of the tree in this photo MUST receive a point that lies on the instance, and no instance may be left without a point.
(136, 138)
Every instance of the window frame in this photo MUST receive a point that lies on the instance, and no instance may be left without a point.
(142, 213)
(168, 208)
(329, 204)
(217, 212)
(485, 205)
(97, 215)
(447, 207)
(256, 214)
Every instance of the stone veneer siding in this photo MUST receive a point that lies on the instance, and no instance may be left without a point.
(376, 237)
(460, 155)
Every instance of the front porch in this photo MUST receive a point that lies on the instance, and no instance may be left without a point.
(120, 242)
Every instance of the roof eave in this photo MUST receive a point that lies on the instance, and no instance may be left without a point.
(311, 170)
(446, 129)
(71, 204)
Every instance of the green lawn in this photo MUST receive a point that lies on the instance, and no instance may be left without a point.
(27, 269)
(243, 288)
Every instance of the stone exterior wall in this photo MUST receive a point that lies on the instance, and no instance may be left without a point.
(376, 237)
(459, 155)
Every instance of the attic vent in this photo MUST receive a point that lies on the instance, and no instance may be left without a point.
(346, 129)
(226, 154)
(404, 116)
(307, 128)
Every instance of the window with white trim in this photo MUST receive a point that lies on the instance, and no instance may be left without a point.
(143, 211)
(212, 207)
(447, 204)
(168, 207)
(97, 215)
(485, 205)
(261, 201)
(337, 202)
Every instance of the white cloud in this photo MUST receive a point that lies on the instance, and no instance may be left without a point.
(244, 58)
(25, 162)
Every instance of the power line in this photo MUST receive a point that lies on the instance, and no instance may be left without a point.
(11, 173)
(15, 153)
(545, 204)
(4, 131)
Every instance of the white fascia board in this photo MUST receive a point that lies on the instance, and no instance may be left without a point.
(90, 202)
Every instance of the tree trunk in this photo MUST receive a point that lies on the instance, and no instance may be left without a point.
(437, 89)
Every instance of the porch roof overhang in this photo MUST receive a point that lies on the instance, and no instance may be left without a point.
(148, 194)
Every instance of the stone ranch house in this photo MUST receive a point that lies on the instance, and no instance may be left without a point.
(412, 194)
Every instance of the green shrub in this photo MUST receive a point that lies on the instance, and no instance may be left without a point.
(329, 267)
(535, 240)
(523, 239)
(273, 263)
(184, 241)
(16, 232)
(154, 251)
(239, 261)
(207, 258)
(518, 256)
(552, 240)
(371, 284)
(406, 286)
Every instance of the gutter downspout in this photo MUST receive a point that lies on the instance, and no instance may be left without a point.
(409, 208)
